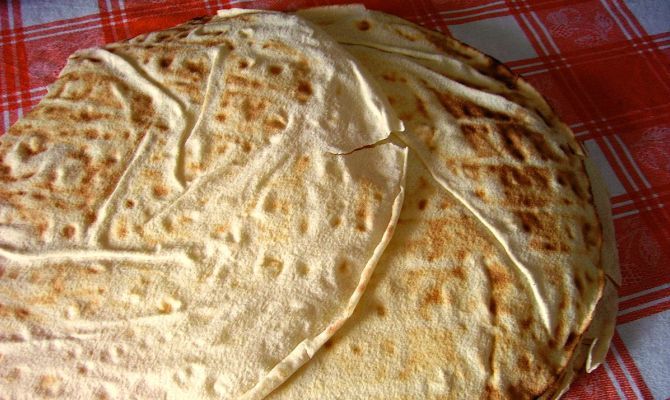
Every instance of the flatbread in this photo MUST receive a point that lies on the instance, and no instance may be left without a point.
(197, 211)
(189, 214)
(519, 228)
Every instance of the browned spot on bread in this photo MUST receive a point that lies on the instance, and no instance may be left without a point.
(221, 117)
(252, 108)
(21, 313)
(161, 37)
(447, 44)
(275, 69)
(426, 134)
(90, 217)
(304, 91)
(479, 138)
(165, 62)
(388, 346)
(498, 275)
(461, 108)
(493, 306)
(437, 236)
(229, 45)
(522, 142)
(335, 221)
(512, 142)
(68, 231)
(122, 230)
(492, 393)
(329, 344)
(195, 67)
(529, 222)
(592, 237)
(422, 204)
(432, 296)
(569, 178)
(421, 107)
(524, 362)
(526, 176)
(32, 147)
(275, 123)
(542, 230)
(459, 272)
(91, 134)
(343, 267)
(272, 266)
(526, 323)
(479, 193)
(363, 25)
(304, 226)
(571, 340)
(246, 146)
(381, 310)
(389, 76)
(500, 72)
(549, 246)
(130, 203)
(239, 80)
(301, 164)
(523, 186)
(280, 46)
(243, 64)
(88, 115)
(141, 109)
(356, 349)
(160, 191)
(362, 212)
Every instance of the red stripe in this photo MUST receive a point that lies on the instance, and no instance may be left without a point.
(644, 197)
(565, 77)
(51, 32)
(660, 64)
(658, 67)
(602, 52)
(22, 58)
(654, 221)
(430, 16)
(53, 25)
(661, 189)
(631, 207)
(582, 98)
(620, 377)
(4, 73)
(491, 8)
(114, 15)
(106, 22)
(631, 367)
(644, 299)
(474, 18)
(645, 312)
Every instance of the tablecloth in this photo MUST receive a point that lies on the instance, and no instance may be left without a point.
(604, 66)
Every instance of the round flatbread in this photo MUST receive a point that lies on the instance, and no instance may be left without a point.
(190, 214)
(495, 269)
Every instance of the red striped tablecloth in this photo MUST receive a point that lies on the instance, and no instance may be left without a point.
(604, 65)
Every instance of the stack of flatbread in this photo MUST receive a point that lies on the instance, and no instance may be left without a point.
(330, 204)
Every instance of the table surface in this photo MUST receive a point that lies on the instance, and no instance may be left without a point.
(603, 65)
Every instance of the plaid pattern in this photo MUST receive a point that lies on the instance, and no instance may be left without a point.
(604, 65)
